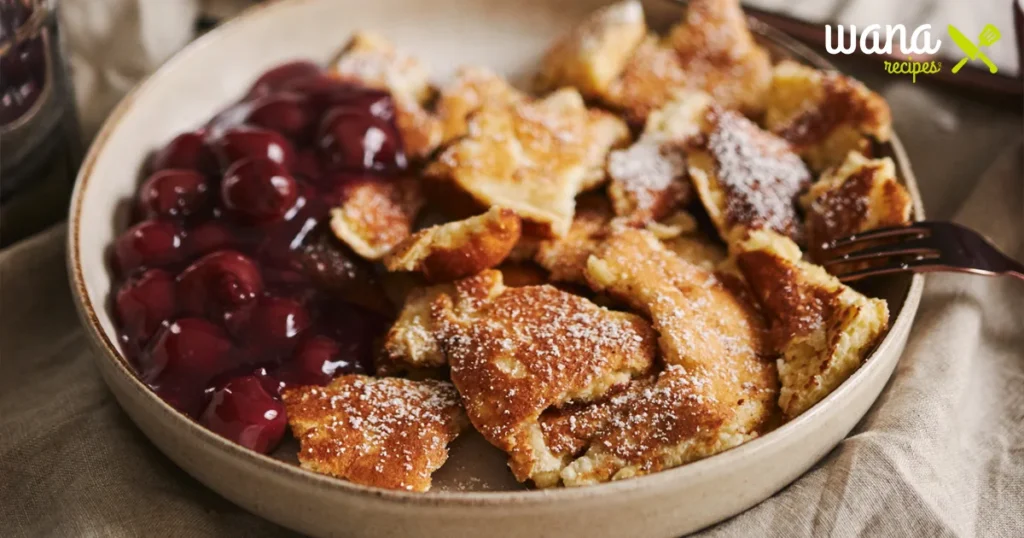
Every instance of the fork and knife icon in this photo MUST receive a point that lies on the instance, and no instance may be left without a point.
(989, 35)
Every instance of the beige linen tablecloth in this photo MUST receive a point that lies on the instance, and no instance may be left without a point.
(940, 454)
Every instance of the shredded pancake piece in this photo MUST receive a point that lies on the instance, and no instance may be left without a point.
(375, 215)
(824, 114)
(458, 249)
(710, 50)
(411, 344)
(594, 53)
(823, 329)
(719, 384)
(384, 432)
(473, 88)
(532, 157)
(566, 257)
(532, 348)
(748, 178)
(860, 195)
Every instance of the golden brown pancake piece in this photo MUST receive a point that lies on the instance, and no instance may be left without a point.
(649, 180)
(384, 432)
(719, 384)
(566, 257)
(747, 178)
(412, 342)
(472, 89)
(594, 53)
(375, 214)
(532, 157)
(710, 50)
(528, 349)
(458, 249)
(824, 114)
(860, 195)
(823, 329)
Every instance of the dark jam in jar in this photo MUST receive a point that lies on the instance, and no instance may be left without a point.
(38, 128)
(232, 286)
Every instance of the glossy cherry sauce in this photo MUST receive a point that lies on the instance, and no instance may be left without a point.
(231, 287)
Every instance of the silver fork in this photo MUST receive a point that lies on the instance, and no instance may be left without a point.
(921, 247)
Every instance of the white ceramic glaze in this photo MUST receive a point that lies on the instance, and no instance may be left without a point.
(508, 37)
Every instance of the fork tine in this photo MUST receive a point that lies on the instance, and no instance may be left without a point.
(917, 266)
(871, 271)
(919, 247)
(878, 233)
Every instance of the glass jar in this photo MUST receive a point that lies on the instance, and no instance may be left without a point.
(40, 148)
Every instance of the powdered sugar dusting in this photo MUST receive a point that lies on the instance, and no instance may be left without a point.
(386, 432)
(647, 169)
(759, 172)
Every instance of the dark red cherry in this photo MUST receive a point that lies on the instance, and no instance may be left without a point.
(252, 142)
(258, 190)
(143, 303)
(355, 329)
(326, 92)
(208, 237)
(307, 165)
(282, 77)
(316, 361)
(182, 358)
(150, 243)
(174, 193)
(218, 283)
(285, 113)
(186, 151)
(244, 412)
(271, 324)
(269, 380)
(351, 139)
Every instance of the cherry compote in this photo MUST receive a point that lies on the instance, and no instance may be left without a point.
(246, 413)
(233, 287)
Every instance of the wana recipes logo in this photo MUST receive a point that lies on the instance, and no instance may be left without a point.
(875, 40)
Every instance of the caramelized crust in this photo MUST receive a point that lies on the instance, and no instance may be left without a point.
(528, 349)
(383, 432)
(458, 249)
(594, 53)
(710, 50)
(532, 157)
(823, 329)
(376, 214)
(718, 386)
(374, 61)
(747, 178)
(860, 195)
(824, 114)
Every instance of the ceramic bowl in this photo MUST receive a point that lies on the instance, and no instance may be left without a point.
(474, 494)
